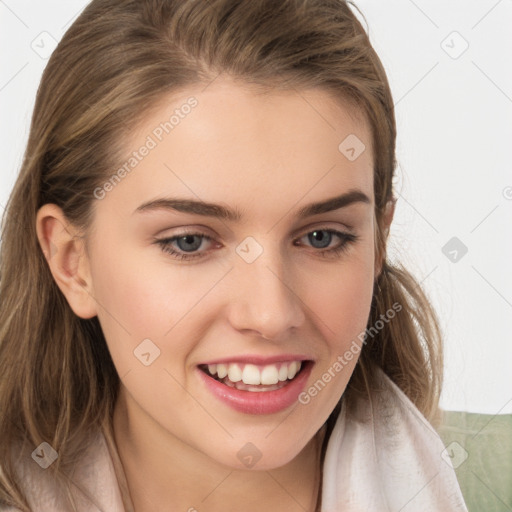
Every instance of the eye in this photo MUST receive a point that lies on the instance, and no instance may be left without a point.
(322, 238)
(185, 246)
(186, 242)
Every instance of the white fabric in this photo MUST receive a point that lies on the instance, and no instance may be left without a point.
(388, 459)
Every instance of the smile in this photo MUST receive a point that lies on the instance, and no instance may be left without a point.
(251, 377)
(256, 388)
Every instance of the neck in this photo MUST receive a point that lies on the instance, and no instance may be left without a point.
(164, 473)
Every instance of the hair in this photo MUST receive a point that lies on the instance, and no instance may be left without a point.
(115, 63)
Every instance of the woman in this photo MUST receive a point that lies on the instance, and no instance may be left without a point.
(199, 313)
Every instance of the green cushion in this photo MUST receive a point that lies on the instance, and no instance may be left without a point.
(480, 448)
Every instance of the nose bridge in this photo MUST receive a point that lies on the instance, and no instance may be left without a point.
(265, 300)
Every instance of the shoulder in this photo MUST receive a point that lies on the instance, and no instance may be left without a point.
(385, 455)
(90, 484)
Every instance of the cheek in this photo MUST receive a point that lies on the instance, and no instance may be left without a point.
(348, 301)
(341, 297)
(141, 297)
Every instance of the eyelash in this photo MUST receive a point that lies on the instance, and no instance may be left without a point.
(347, 239)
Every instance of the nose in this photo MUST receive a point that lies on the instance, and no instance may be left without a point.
(266, 301)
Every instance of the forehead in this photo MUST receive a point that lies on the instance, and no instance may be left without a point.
(228, 142)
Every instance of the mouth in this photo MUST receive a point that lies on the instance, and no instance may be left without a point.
(257, 388)
(252, 377)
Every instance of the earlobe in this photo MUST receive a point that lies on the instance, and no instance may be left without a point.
(68, 263)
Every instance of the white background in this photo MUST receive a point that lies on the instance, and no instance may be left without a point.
(454, 117)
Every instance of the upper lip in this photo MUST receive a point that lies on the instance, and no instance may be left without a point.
(259, 360)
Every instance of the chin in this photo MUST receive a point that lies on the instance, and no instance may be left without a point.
(259, 453)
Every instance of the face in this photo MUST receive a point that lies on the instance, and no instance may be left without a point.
(275, 291)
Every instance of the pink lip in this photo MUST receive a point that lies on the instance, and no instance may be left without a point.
(264, 402)
(259, 360)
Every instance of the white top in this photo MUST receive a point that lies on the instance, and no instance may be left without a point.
(390, 462)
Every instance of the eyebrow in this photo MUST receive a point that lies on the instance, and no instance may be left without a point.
(235, 215)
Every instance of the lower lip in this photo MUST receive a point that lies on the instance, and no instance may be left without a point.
(259, 402)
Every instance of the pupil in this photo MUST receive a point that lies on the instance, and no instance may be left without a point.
(188, 239)
(323, 239)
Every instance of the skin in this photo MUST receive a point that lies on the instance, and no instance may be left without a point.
(267, 155)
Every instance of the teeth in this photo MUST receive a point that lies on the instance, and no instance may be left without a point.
(293, 368)
(269, 375)
(234, 373)
(283, 373)
(253, 375)
(222, 370)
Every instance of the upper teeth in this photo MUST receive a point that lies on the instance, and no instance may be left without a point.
(252, 374)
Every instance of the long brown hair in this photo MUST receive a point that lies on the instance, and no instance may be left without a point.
(118, 59)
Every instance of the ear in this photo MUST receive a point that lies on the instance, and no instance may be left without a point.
(387, 218)
(68, 262)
